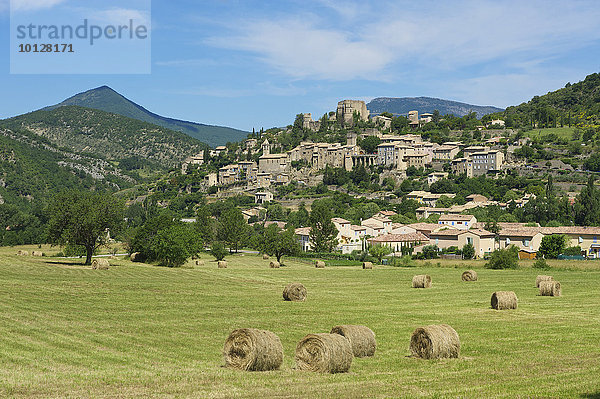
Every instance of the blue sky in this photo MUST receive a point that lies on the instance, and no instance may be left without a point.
(257, 64)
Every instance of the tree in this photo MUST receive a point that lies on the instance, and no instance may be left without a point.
(218, 250)
(430, 251)
(552, 246)
(84, 219)
(232, 228)
(175, 244)
(323, 234)
(277, 242)
(379, 251)
(507, 258)
(587, 207)
(468, 251)
(369, 144)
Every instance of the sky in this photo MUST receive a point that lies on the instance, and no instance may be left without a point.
(251, 64)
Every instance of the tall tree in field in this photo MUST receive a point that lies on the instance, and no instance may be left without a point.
(83, 219)
(279, 243)
(232, 228)
(323, 234)
(587, 207)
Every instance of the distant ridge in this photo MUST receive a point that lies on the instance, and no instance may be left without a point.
(402, 105)
(104, 98)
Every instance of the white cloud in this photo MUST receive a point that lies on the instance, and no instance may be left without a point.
(381, 43)
(30, 5)
(119, 16)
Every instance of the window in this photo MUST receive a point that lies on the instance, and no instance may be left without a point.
(526, 243)
(580, 240)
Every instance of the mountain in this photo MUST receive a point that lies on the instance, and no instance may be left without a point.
(402, 106)
(107, 136)
(106, 99)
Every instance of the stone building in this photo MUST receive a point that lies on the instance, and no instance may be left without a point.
(346, 108)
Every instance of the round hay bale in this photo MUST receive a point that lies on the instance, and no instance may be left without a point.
(502, 300)
(294, 292)
(319, 264)
(135, 257)
(199, 263)
(274, 264)
(265, 257)
(222, 264)
(469, 275)
(421, 281)
(367, 265)
(100, 264)
(541, 278)
(550, 288)
(362, 339)
(23, 253)
(37, 253)
(250, 349)
(324, 353)
(435, 342)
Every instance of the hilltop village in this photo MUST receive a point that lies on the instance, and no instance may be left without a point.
(355, 140)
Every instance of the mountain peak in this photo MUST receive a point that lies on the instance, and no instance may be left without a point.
(105, 98)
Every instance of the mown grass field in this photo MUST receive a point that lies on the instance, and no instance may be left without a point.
(563, 132)
(144, 331)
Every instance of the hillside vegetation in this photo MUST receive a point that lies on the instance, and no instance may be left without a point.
(575, 104)
(106, 99)
(108, 136)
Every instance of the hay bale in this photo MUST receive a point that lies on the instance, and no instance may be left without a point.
(100, 264)
(421, 281)
(135, 257)
(37, 253)
(265, 257)
(502, 300)
(367, 265)
(294, 292)
(469, 275)
(319, 264)
(541, 278)
(274, 264)
(23, 253)
(435, 342)
(550, 288)
(362, 339)
(222, 264)
(251, 349)
(199, 263)
(324, 353)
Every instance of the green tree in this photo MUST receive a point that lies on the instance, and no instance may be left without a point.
(175, 244)
(84, 219)
(468, 251)
(323, 234)
(587, 206)
(507, 258)
(277, 242)
(552, 246)
(379, 251)
(218, 250)
(232, 228)
(369, 144)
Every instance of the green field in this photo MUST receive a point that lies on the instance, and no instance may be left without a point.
(145, 331)
(563, 132)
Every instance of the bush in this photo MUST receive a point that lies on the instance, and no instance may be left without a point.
(572, 251)
(541, 264)
(218, 250)
(504, 259)
(552, 246)
(403, 261)
(468, 251)
(430, 252)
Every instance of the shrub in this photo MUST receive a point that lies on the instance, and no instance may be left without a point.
(504, 259)
(430, 252)
(552, 246)
(468, 251)
(541, 264)
(572, 251)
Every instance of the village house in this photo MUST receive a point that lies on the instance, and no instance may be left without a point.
(262, 197)
(274, 163)
(461, 222)
(302, 233)
(397, 241)
(383, 122)
(445, 152)
(436, 176)
(482, 240)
